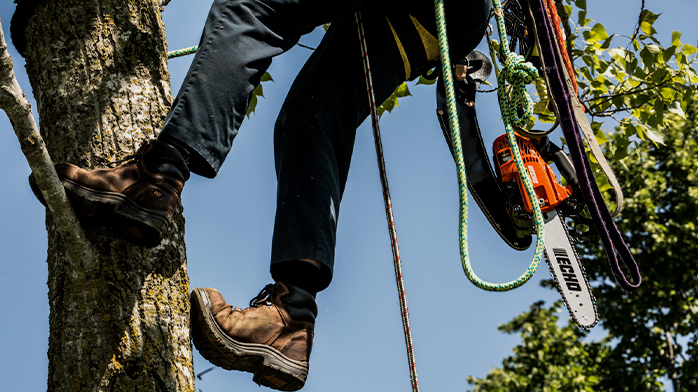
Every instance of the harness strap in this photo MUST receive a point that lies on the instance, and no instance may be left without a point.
(587, 132)
(555, 18)
(560, 91)
(482, 182)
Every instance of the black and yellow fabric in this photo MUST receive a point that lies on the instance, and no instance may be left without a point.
(418, 47)
(415, 34)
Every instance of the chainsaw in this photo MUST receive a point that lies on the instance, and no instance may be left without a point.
(498, 192)
(557, 202)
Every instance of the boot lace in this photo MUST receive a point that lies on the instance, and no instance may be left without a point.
(130, 158)
(264, 297)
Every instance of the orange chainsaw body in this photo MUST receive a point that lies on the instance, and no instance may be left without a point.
(548, 190)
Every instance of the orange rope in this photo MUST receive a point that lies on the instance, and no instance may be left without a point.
(555, 18)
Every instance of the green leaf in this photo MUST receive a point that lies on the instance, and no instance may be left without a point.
(402, 91)
(568, 9)
(655, 136)
(392, 101)
(582, 15)
(668, 94)
(601, 138)
(647, 28)
(650, 55)
(423, 80)
(252, 106)
(689, 49)
(621, 149)
(607, 43)
(676, 38)
(597, 33)
(648, 16)
(675, 107)
(258, 92)
(641, 131)
(267, 77)
(668, 53)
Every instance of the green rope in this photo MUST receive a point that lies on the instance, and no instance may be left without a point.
(182, 52)
(518, 74)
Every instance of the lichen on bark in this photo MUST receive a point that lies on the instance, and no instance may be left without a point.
(98, 70)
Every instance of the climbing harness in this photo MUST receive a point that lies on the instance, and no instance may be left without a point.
(388, 205)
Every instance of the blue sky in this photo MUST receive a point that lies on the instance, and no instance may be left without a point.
(359, 341)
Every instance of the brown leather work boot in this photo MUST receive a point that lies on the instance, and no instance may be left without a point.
(264, 339)
(138, 197)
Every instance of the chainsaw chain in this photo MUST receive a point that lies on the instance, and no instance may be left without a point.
(584, 276)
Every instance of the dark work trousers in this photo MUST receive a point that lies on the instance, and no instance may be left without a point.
(315, 131)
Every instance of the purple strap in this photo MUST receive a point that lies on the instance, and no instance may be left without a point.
(610, 236)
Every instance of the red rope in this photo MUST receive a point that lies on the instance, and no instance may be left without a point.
(555, 18)
(388, 206)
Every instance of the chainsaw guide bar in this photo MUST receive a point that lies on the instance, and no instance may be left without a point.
(568, 272)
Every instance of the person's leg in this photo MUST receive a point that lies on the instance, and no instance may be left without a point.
(313, 144)
(314, 138)
(240, 38)
(315, 131)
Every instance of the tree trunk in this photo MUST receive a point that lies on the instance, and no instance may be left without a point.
(98, 69)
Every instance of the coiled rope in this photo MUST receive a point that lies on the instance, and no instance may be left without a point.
(518, 74)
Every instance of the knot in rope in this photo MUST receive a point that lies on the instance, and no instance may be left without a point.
(518, 73)
(517, 70)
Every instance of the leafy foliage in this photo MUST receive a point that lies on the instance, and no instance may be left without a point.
(258, 92)
(647, 91)
(651, 332)
(402, 91)
(637, 86)
(550, 357)
(392, 101)
(659, 219)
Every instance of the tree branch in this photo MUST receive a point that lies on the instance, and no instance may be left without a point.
(639, 23)
(610, 113)
(671, 355)
(688, 302)
(634, 90)
(15, 104)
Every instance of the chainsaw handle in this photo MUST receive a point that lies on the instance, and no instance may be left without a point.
(551, 152)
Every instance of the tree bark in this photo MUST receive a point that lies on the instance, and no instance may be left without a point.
(98, 69)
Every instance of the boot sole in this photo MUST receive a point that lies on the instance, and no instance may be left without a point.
(138, 225)
(270, 368)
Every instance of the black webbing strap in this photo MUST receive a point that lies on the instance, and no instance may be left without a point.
(482, 182)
